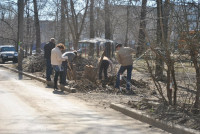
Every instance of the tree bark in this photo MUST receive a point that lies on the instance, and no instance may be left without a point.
(141, 38)
(194, 57)
(159, 61)
(197, 66)
(174, 83)
(62, 23)
(20, 33)
(91, 50)
(107, 29)
(37, 27)
(127, 24)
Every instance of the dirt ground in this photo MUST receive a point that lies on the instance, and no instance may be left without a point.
(146, 97)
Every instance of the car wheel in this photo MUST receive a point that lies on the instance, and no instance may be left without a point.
(3, 61)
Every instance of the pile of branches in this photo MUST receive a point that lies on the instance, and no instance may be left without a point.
(81, 62)
(34, 63)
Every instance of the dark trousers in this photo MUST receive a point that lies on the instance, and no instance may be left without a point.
(64, 75)
(48, 69)
(57, 73)
(129, 69)
(104, 67)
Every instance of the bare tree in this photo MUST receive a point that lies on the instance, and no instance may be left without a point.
(76, 20)
(127, 23)
(91, 50)
(8, 33)
(141, 38)
(159, 61)
(62, 22)
(20, 32)
(37, 27)
(195, 61)
(107, 28)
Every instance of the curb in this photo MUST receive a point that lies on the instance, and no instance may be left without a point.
(65, 88)
(143, 117)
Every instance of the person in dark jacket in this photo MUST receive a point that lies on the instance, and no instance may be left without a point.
(47, 55)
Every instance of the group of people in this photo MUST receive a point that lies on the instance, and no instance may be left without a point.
(58, 59)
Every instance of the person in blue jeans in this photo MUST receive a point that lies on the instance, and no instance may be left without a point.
(71, 57)
(124, 57)
(56, 62)
(47, 55)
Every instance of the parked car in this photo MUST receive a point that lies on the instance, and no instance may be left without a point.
(8, 53)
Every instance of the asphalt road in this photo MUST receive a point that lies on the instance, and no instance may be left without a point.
(28, 107)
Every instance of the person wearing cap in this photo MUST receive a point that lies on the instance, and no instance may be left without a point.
(124, 57)
(47, 55)
(56, 62)
(71, 57)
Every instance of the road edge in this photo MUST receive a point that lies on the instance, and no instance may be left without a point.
(65, 88)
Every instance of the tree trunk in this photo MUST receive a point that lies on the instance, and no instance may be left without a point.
(159, 61)
(37, 27)
(127, 24)
(166, 18)
(197, 99)
(169, 89)
(197, 66)
(97, 32)
(107, 29)
(141, 38)
(194, 57)
(62, 21)
(174, 83)
(20, 33)
(28, 26)
(98, 44)
(91, 50)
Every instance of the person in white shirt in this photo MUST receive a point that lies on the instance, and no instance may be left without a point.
(56, 62)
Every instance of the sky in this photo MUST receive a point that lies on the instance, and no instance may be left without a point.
(49, 9)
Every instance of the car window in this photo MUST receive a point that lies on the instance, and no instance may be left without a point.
(7, 49)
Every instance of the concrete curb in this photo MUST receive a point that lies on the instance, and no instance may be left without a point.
(143, 117)
(65, 88)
